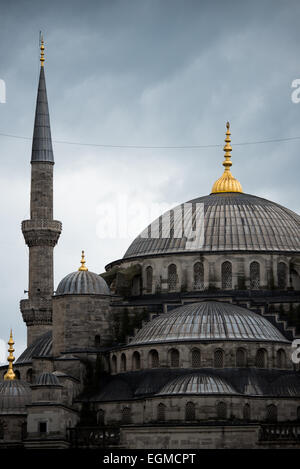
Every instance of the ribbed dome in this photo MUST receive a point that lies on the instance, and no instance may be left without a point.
(41, 347)
(82, 282)
(14, 396)
(209, 320)
(47, 379)
(197, 384)
(232, 222)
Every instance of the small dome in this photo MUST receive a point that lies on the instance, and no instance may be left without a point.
(211, 320)
(197, 384)
(82, 283)
(14, 396)
(47, 379)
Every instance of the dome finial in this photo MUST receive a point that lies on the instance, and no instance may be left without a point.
(42, 47)
(83, 266)
(10, 375)
(227, 183)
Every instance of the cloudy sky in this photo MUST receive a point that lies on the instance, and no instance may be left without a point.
(141, 73)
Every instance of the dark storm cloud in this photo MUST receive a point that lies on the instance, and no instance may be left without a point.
(142, 72)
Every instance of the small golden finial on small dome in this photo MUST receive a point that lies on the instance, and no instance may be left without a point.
(42, 47)
(227, 183)
(10, 375)
(83, 266)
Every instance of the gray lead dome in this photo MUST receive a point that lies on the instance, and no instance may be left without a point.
(81, 283)
(14, 396)
(197, 384)
(211, 320)
(232, 222)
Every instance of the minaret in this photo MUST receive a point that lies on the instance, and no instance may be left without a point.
(41, 232)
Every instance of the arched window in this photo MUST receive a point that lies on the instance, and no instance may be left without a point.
(123, 362)
(161, 412)
(114, 363)
(240, 357)
(126, 415)
(136, 285)
(271, 413)
(153, 359)
(149, 279)
(136, 361)
(281, 358)
(29, 376)
(172, 277)
(246, 412)
(254, 275)
(221, 410)
(261, 358)
(226, 275)
(282, 275)
(97, 340)
(198, 276)
(174, 358)
(100, 417)
(196, 358)
(190, 411)
(1, 430)
(219, 359)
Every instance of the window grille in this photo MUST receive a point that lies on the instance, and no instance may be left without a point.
(282, 275)
(254, 275)
(172, 277)
(149, 279)
(198, 276)
(196, 358)
(219, 359)
(226, 275)
(260, 361)
(190, 411)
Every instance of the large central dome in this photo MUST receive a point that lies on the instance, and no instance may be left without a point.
(232, 222)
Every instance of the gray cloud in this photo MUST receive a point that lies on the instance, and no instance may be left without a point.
(165, 72)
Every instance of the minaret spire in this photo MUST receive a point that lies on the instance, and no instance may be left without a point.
(227, 183)
(42, 143)
(83, 267)
(41, 232)
(42, 47)
(10, 374)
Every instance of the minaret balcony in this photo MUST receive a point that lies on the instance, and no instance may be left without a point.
(37, 311)
(41, 232)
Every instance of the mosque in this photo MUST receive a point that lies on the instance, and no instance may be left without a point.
(182, 343)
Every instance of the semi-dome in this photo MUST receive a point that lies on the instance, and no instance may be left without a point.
(82, 282)
(210, 320)
(47, 379)
(40, 347)
(197, 384)
(14, 396)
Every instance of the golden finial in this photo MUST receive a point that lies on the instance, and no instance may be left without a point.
(227, 183)
(42, 47)
(82, 267)
(10, 375)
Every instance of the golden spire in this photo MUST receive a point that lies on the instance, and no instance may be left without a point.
(227, 183)
(42, 47)
(10, 375)
(83, 266)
